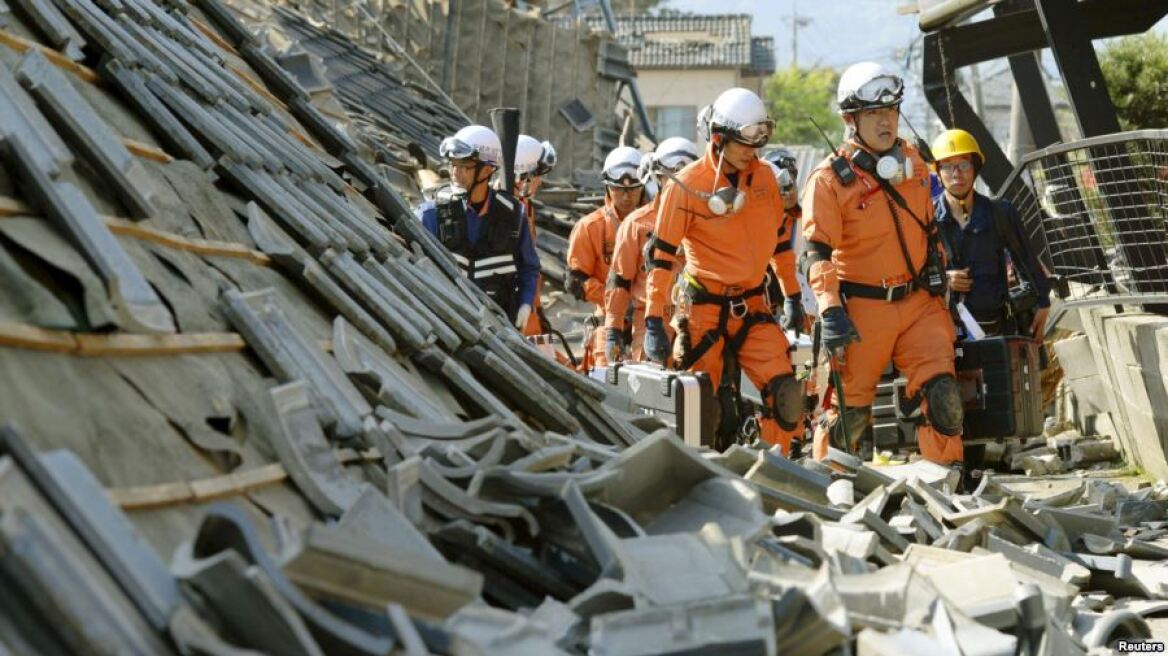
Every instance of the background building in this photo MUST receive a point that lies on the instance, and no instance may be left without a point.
(684, 61)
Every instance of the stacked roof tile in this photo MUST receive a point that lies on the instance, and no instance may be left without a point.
(679, 40)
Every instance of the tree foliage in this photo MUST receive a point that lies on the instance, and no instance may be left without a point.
(793, 94)
(1136, 70)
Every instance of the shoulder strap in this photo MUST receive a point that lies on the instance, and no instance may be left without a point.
(1010, 238)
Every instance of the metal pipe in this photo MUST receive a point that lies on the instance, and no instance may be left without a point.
(937, 14)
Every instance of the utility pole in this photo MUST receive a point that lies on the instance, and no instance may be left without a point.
(797, 22)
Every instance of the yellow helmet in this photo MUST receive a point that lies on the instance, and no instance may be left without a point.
(952, 143)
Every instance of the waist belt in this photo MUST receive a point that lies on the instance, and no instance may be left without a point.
(736, 299)
(888, 293)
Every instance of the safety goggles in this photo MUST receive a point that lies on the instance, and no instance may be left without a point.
(755, 134)
(675, 160)
(452, 148)
(883, 91)
(627, 182)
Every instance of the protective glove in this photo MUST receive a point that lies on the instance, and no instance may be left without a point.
(838, 330)
(522, 316)
(656, 341)
(612, 345)
(574, 284)
(793, 313)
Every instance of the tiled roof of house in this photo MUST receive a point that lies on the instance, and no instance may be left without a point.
(677, 40)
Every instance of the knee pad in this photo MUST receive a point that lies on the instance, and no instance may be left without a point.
(843, 433)
(786, 400)
(945, 410)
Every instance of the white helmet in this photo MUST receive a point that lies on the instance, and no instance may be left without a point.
(741, 115)
(868, 85)
(527, 154)
(621, 164)
(533, 157)
(473, 141)
(675, 153)
(782, 176)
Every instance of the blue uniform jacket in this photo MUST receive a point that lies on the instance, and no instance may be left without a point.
(978, 248)
(526, 260)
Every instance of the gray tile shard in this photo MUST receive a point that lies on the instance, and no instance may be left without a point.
(20, 118)
(145, 576)
(291, 356)
(246, 604)
(680, 568)
(344, 566)
(777, 472)
(1040, 558)
(730, 504)
(902, 642)
(377, 518)
(307, 456)
(982, 587)
(740, 624)
(497, 631)
(49, 20)
(1079, 523)
(94, 137)
(394, 385)
(166, 126)
(137, 304)
(890, 597)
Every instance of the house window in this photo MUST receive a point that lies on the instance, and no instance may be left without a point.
(675, 121)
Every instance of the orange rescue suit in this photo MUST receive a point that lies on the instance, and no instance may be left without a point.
(727, 256)
(915, 333)
(590, 247)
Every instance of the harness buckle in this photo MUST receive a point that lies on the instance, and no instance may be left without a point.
(891, 290)
(737, 307)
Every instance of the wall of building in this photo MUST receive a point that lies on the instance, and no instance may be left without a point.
(1130, 358)
(692, 88)
(485, 55)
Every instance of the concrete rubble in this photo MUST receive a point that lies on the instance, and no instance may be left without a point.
(299, 430)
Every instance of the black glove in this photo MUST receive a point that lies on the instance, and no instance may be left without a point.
(574, 284)
(613, 346)
(838, 330)
(656, 341)
(793, 313)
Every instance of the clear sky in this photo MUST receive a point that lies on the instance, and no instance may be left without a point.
(840, 32)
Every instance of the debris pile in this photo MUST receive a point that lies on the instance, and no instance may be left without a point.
(257, 409)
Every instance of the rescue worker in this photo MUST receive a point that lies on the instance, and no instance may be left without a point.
(875, 264)
(593, 238)
(626, 278)
(485, 230)
(728, 235)
(978, 232)
(793, 317)
(533, 160)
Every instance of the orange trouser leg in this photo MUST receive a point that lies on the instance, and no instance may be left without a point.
(923, 352)
(860, 370)
(533, 326)
(916, 334)
(762, 355)
(599, 339)
(637, 347)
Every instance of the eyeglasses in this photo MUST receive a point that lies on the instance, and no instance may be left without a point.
(949, 168)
